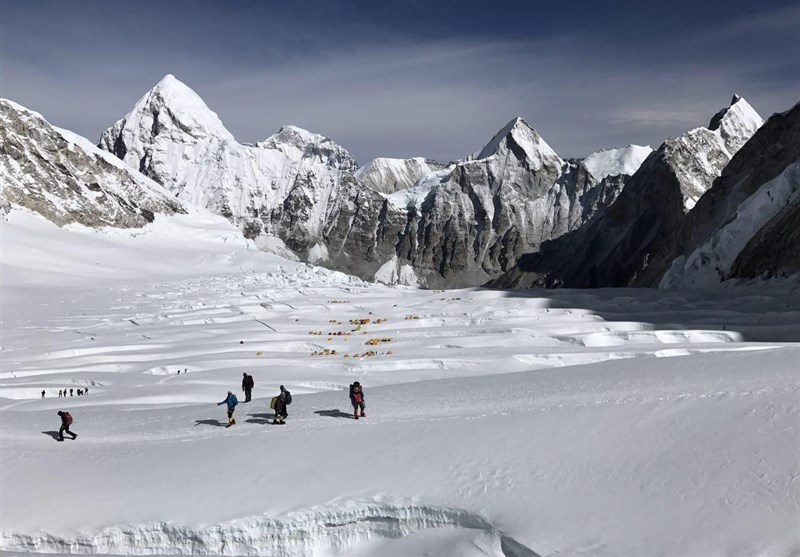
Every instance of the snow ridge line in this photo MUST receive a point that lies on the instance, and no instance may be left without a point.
(317, 531)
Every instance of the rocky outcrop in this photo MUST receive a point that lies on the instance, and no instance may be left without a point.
(615, 246)
(67, 180)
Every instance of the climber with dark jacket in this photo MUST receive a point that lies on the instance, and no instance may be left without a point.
(231, 401)
(279, 404)
(357, 399)
(247, 386)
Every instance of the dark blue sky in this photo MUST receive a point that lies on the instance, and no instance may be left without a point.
(402, 79)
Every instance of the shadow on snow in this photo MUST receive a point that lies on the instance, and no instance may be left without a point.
(335, 413)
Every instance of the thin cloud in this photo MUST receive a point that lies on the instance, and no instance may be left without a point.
(395, 95)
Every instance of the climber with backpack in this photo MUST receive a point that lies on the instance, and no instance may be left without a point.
(357, 399)
(231, 401)
(279, 404)
(66, 421)
(247, 385)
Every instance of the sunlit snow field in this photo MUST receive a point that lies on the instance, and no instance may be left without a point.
(611, 422)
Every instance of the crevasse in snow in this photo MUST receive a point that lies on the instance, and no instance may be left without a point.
(318, 531)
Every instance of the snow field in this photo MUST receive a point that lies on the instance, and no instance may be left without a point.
(503, 423)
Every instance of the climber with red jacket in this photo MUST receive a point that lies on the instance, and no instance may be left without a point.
(66, 421)
(357, 399)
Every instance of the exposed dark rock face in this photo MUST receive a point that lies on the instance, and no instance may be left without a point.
(774, 251)
(616, 245)
(475, 221)
(67, 180)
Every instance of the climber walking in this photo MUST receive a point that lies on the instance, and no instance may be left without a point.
(357, 399)
(231, 401)
(279, 404)
(247, 385)
(66, 421)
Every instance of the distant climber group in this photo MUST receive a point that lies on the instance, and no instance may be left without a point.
(70, 392)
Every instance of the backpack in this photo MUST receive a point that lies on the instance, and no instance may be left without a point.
(250, 381)
(67, 418)
(234, 400)
(288, 397)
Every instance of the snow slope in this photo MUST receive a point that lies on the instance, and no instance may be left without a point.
(612, 162)
(387, 175)
(498, 423)
(711, 262)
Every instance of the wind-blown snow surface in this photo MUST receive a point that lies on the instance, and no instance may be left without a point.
(502, 423)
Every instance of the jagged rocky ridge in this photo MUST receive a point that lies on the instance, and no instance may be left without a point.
(68, 180)
(757, 189)
(457, 226)
(615, 246)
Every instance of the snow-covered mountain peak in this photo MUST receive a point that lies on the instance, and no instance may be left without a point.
(301, 135)
(699, 155)
(388, 175)
(297, 143)
(173, 107)
(524, 142)
(612, 162)
(743, 109)
(11, 105)
(739, 122)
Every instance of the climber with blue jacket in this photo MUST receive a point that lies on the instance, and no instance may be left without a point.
(231, 401)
